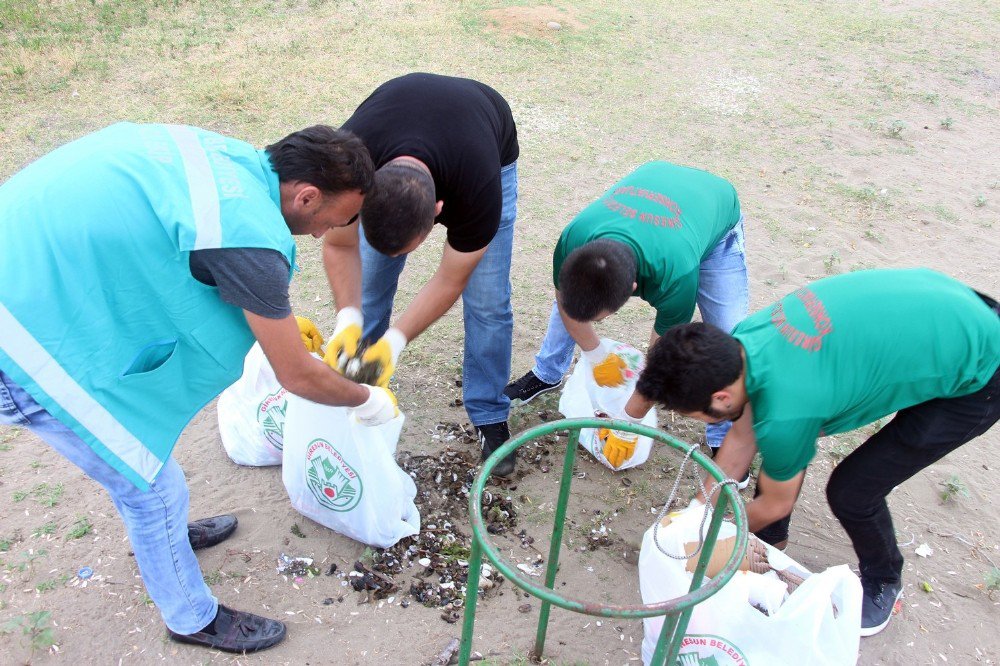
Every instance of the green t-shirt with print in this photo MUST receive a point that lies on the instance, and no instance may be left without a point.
(848, 350)
(671, 217)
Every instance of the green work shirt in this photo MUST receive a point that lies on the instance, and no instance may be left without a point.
(848, 350)
(671, 217)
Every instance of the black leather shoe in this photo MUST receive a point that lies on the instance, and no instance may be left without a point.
(491, 438)
(236, 631)
(210, 531)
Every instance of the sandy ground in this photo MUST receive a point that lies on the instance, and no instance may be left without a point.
(839, 195)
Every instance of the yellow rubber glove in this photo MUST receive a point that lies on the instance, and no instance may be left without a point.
(311, 337)
(609, 371)
(386, 352)
(618, 445)
(346, 338)
(381, 406)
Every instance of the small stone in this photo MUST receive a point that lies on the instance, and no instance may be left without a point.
(328, 601)
(554, 25)
(424, 561)
(524, 608)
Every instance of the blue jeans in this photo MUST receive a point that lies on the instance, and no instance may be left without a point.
(723, 299)
(156, 519)
(486, 310)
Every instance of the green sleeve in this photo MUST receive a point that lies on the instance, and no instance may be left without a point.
(676, 306)
(786, 447)
(558, 256)
(669, 317)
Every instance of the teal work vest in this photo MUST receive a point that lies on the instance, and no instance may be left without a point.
(100, 318)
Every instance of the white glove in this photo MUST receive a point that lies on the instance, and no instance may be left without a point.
(595, 355)
(379, 408)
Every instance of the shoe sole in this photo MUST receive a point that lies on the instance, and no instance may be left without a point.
(871, 631)
(525, 401)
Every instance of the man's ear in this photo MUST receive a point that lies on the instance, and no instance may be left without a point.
(438, 207)
(722, 399)
(308, 197)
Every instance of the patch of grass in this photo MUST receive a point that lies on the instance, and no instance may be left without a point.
(36, 630)
(36, 464)
(44, 530)
(213, 578)
(947, 123)
(943, 213)
(297, 531)
(953, 488)
(932, 98)
(53, 583)
(455, 551)
(81, 528)
(831, 263)
(894, 130)
(991, 581)
(980, 201)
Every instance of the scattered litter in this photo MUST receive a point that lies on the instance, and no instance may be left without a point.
(296, 566)
(923, 550)
(84, 573)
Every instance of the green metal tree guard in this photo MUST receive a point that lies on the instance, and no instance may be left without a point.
(676, 612)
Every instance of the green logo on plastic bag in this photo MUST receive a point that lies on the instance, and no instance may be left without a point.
(332, 481)
(708, 650)
(271, 417)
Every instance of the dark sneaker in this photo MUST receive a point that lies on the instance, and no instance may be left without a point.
(877, 602)
(210, 531)
(527, 388)
(491, 438)
(236, 631)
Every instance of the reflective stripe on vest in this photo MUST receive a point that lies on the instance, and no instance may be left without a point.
(24, 350)
(201, 185)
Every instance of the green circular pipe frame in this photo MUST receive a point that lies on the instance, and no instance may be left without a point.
(671, 607)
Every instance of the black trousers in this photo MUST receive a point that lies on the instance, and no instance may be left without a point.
(916, 438)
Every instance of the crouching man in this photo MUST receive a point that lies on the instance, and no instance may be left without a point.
(831, 357)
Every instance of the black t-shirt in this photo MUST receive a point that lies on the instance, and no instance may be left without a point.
(254, 279)
(461, 129)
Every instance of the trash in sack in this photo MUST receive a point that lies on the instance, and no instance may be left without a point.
(344, 475)
(582, 398)
(252, 414)
(773, 611)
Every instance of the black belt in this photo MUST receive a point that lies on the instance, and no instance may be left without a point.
(990, 303)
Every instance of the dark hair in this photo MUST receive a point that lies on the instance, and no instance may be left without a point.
(400, 208)
(688, 364)
(334, 160)
(595, 277)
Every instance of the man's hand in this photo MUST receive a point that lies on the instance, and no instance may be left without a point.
(386, 353)
(607, 368)
(618, 445)
(311, 337)
(378, 408)
(346, 338)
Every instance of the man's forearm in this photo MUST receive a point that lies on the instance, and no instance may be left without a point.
(343, 272)
(761, 513)
(583, 333)
(429, 305)
(318, 382)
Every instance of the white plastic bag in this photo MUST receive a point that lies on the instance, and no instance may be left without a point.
(817, 624)
(582, 397)
(252, 414)
(344, 475)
